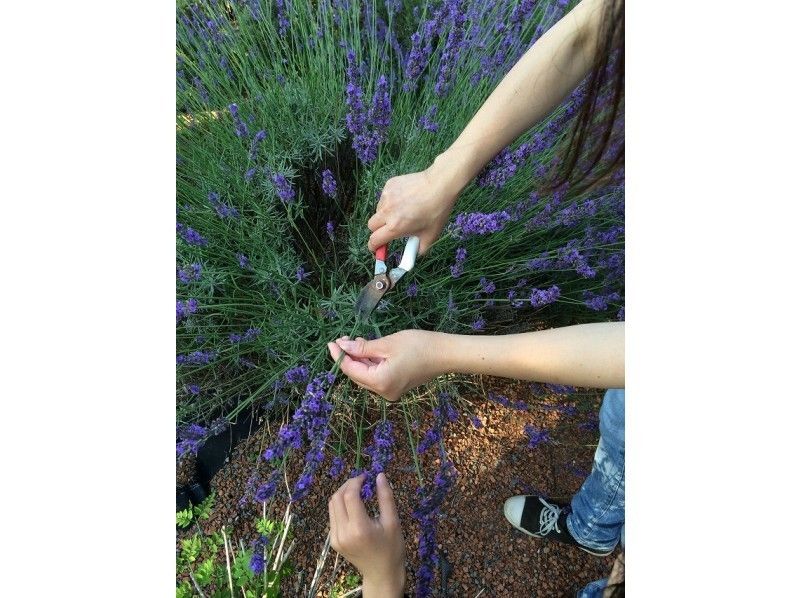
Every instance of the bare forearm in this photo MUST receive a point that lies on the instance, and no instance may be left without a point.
(591, 355)
(545, 74)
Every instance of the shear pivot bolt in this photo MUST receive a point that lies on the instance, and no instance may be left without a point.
(379, 285)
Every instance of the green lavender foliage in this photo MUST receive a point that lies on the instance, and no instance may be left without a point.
(292, 85)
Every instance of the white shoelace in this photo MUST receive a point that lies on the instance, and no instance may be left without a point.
(548, 518)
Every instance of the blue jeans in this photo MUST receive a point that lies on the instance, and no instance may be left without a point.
(598, 509)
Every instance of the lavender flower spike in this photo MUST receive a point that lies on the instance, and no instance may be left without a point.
(241, 127)
(328, 183)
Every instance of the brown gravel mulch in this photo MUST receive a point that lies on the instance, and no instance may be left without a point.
(487, 556)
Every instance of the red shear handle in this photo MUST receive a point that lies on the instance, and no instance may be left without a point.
(380, 254)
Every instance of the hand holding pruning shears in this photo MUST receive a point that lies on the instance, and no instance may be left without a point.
(416, 204)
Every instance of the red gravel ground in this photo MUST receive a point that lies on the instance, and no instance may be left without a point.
(488, 557)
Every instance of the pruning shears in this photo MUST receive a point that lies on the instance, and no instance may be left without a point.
(382, 282)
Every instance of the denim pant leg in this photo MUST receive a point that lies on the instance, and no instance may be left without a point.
(598, 509)
(594, 590)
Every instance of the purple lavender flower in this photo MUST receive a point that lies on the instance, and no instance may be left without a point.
(337, 467)
(201, 90)
(190, 273)
(381, 452)
(443, 412)
(599, 302)
(368, 129)
(255, 9)
(296, 374)
(224, 65)
(356, 118)
(193, 389)
(267, 490)
(487, 286)
(452, 48)
(539, 263)
(328, 183)
(283, 188)
(248, 176)
(191, 438)
(223, 210)
(504, 166)
(244, 261)
(301, 274)
(503, 400)
(431, 497)
(479, 324)
(415, 63)
(611, 235)
(251, 333)
(257, 139)
(412, 290)
(257, 562)
(380, 113)
(512, 299)
(542, 297)
(393, 6)
(421, 49)
(458, 267)
(196, 358)
(506, 402)
(426, 121)
(330, 226)
(564, 408)
(476, 422)
(283, 21)
(312, 418)
(241, 127)
(477, 223)
(184, 308)
(291, 436)
(536, 436)
(191, 236)
(430, 438)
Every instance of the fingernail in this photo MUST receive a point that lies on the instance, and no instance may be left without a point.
(347, 345)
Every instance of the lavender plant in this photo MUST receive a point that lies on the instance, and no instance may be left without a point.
(291, 116)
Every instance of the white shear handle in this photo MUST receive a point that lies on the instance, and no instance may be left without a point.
(409, 254)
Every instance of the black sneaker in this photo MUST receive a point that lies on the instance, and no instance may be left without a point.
(541, 519)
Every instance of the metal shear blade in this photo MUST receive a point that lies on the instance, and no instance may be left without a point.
(370, 295)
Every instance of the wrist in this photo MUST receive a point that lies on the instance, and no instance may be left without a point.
(385, 586)
(452, 168)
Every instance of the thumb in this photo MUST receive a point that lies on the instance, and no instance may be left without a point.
(386, 505)
(361, 347)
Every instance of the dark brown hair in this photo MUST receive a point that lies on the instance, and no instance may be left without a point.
(593, 129)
